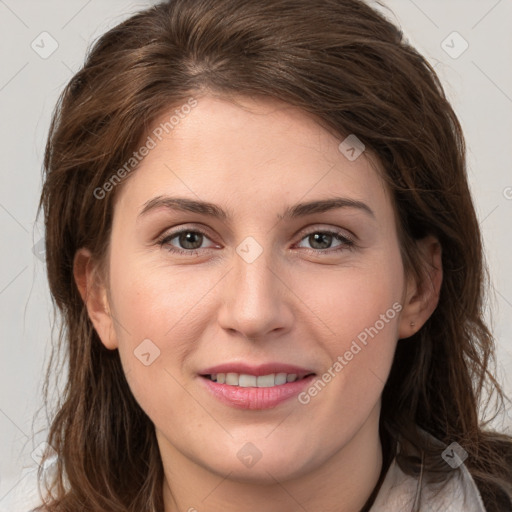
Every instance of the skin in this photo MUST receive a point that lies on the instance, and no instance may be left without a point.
(254, 158)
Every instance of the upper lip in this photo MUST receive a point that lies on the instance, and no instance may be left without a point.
(258, 370)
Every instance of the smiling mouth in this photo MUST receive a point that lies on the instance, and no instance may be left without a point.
(252, 381)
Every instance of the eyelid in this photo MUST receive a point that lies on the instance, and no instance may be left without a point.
(178, 229)
(318, 228)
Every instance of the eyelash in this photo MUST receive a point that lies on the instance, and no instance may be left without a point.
(347, 243)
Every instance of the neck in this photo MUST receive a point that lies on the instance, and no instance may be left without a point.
(343, 483)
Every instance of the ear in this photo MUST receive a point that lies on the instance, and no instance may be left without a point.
(94, 294)
(421, 298)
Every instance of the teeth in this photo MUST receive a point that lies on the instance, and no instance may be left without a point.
(232, 379)
(280, 379)
(247, 381)
(265, 381)
(252, 381)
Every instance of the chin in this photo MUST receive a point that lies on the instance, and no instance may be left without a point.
(263, 472)
(263, 462)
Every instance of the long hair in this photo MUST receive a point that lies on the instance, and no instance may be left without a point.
(346, 64)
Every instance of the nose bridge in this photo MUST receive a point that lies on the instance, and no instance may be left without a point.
(254, 301)
(254, 268)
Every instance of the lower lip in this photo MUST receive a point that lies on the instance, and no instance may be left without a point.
(256, 398)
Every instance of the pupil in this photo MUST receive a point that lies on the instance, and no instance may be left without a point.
(324, 240)
(187, 238)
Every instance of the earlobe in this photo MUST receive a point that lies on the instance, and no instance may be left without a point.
(421, 298)
(94, 294)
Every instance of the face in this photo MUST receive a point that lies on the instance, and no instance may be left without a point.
(263, 288)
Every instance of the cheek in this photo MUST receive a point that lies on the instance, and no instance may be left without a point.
(158, 323)
(154, 340)
(351, 300)
(158, 299)
(358, 310)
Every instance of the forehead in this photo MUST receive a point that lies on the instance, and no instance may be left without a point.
(250, 153)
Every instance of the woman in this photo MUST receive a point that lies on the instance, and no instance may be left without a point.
(261, 239)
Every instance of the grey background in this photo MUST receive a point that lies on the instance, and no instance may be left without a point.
(478, 82)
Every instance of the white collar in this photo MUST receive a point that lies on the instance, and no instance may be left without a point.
(399, 492)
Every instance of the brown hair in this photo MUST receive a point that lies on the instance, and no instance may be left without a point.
(345, 63)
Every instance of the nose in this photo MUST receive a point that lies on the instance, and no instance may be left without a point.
(256, 299)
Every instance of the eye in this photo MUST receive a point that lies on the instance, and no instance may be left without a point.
(190, 241)
(321, 241)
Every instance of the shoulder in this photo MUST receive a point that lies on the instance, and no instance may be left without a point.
(402, 493)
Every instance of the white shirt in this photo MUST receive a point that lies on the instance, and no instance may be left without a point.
(399, 491)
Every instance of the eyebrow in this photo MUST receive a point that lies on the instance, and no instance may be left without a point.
(292, 212)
